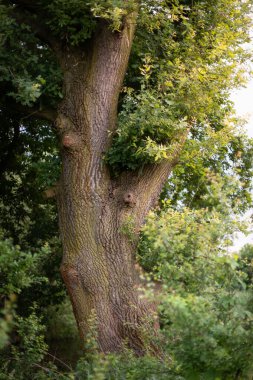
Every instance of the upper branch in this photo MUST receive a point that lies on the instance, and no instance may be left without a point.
(145, 185)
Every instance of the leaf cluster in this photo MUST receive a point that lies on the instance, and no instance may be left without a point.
(216, 170)
(140, 139)
(206, 299)
(28, 69)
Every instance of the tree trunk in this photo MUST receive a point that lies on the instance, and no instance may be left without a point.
(94, 210)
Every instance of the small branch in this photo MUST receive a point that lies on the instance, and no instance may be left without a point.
(26, 112)
(45, 114)
(48, 370)
(59, 360)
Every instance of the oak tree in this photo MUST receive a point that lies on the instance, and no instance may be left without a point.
(126, 84)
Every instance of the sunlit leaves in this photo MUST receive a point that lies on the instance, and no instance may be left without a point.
(188, 54)
(183, 247)
(205, 291)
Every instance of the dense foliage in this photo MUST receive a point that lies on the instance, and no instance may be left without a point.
(205, 310)
(186, 57)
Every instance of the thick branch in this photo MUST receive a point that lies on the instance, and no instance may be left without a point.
(145, 186)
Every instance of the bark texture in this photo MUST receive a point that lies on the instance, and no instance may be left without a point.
(94, 210)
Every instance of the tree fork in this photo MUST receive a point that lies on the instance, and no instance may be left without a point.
(98, 264)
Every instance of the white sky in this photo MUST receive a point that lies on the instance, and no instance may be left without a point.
(243, 100)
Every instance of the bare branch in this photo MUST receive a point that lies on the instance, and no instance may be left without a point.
(26, 112)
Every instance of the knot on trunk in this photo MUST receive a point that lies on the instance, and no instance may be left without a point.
(71, 141)
(70, 276)
(129, 199)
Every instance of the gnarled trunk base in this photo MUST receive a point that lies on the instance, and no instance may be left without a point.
(115, 303)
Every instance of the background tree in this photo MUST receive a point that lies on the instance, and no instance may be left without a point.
(185, 59)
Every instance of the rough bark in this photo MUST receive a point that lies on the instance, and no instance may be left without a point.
(98, 260)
